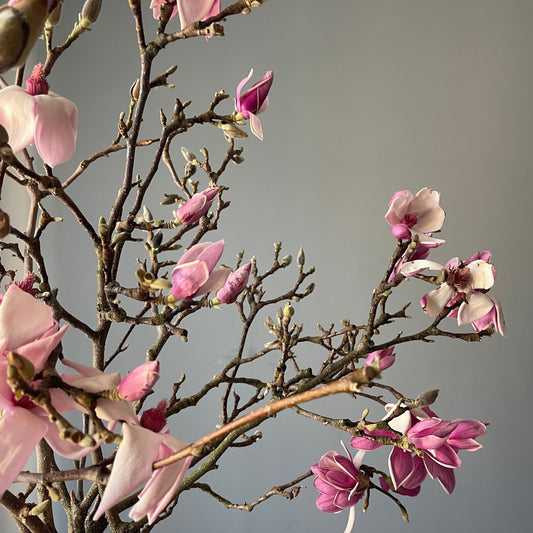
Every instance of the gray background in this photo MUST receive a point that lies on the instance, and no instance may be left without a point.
(369, 97)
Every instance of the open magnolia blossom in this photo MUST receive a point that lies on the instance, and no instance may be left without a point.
(439, 440)
(194, 274)
(340, 482)
(27, 329)
(37, 116)
(465, 282)
(254, 100)
(419, 215)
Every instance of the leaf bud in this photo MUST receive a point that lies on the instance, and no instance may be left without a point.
(40, 508)
(147, 214)
(23, 366)
(427, 398)
(309, 289)
(300, 258)
(286, 261)
(90, 12)
(188, 155)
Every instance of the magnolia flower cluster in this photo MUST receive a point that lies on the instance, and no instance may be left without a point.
(463, 284)
(422, 444)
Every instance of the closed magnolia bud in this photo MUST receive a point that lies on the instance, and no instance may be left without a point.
(90, 12)
(21, 24)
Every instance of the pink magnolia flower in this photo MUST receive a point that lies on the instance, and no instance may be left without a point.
(27, 328)
(195, 208)
(194, 274)
(385, 358)
(340, 482)
(139, 382)
(21, 29)
(234, 285)
(139, 449)
(254, 100)
(419, 215)
(38, 117)
(440, 440)
(467, 282)
(189, 10)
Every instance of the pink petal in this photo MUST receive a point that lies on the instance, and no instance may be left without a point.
(216, 281)
(446, 456)
(211, 254)
(20, 432)
(360, 443)
(56, 128)
(193, 11)
(132, 465)
(188, 278)
(23, 318)
(255, 126)
(410, 267)
(17, 116)
(478, 306)
(400, 466)
(435, 301)
(158, 492)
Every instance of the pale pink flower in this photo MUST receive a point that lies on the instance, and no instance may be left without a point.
(27, 328)
(195, 208)
(419, 215)
(481, 312)
(234, 285)
(139, 449)
(340, 482)
(139, 382)
(194, 274)
(189, 10)
(38, 117)
(385, 358)
(462, 281)
(254, 100)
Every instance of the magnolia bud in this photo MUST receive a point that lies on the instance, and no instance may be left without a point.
(90, 12)
(20, 27)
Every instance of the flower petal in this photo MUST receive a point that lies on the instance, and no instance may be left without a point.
(17, 115)
(20, 432)
(56, 128)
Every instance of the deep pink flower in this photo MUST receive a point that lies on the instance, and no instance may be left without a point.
(139, 382)
(155, 419)
(386, 358)
(440, 441)
(419, 215)
(234, 285)
(189, 10)
(37, 117)
(254, 100)
(195, 208)
(340, 482)
(194, 274)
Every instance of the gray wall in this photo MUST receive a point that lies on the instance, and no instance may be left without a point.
(369, 97)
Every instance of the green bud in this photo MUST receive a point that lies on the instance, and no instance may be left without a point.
(300, 258)
(41, 508)
(288, 310)
(188, 155)
(23, 366)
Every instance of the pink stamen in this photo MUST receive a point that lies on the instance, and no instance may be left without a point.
(36, 83)
(410, 219)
